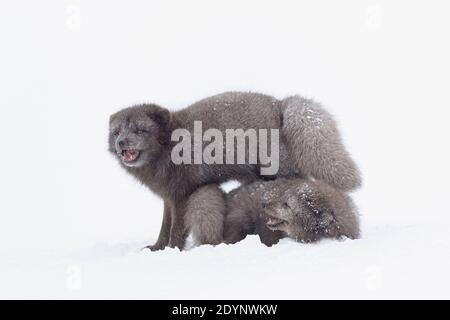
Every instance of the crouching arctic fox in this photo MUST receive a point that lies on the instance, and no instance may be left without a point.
(300, 209)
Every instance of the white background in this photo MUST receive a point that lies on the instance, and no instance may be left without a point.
(72, 221)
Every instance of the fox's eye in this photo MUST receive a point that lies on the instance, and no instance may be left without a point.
(141, 131)
(116, 133)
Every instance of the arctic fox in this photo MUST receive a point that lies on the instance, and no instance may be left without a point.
(300, 209)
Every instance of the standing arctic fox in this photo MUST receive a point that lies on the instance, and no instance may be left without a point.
(310, 146)
(303, 210)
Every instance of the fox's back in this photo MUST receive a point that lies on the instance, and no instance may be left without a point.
(232, 110)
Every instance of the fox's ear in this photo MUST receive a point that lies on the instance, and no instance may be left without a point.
(162, 117)
(158, 114)
(317, 203)
(111, 117)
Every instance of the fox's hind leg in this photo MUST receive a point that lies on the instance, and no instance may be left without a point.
(315, 143)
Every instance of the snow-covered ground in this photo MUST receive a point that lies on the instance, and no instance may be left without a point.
(391, 261)
(72, 222)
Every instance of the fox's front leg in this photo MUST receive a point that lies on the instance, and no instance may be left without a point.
(164, 233)
(177, 229)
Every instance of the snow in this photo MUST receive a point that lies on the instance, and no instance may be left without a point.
(72, 223)
(408, 261)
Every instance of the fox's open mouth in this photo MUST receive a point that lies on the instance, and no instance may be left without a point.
(130, 155)
(274, 223)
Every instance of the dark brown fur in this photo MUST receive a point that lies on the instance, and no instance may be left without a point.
(303, 210)
(148, 128)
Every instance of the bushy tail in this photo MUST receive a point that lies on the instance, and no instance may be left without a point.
(205, 213)
(314, 141)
